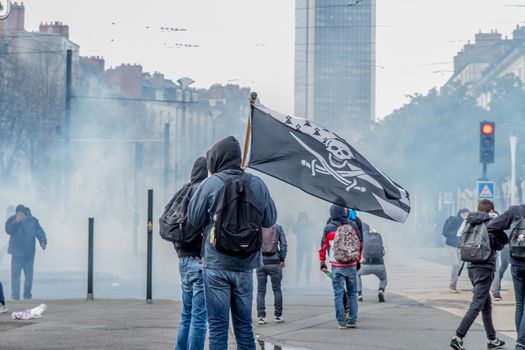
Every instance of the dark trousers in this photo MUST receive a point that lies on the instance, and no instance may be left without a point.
(518, 277)
(19, 264)
(276, 275)
(481, 279)
(2, 298)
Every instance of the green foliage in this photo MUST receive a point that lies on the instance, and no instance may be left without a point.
(431, 144)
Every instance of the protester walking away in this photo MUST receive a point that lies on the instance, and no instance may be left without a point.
(3, 306)
(306, 243)
(233, 206)
(450, 232)
(187, 241)
(24, 229)
(478, 249)
(344, 248)
(274, 248)
(502, 263)
(373, 263)
(513, 219)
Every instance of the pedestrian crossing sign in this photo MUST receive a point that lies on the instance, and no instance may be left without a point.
(486, 189)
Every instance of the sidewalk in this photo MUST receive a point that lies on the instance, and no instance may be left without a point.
(100, 324)
(420, 313)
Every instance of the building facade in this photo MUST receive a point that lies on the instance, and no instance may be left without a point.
(335, 64)
(490, 57)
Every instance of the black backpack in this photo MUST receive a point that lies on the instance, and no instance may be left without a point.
(173, 224)
(237, 221)
(517, 239)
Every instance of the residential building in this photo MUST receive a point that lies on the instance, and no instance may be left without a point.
(489, 58)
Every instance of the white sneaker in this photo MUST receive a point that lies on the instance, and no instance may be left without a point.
(261, 320)
(3, 309)
(279, 319)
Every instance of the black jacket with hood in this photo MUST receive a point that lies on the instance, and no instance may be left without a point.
(198, 174)
(504, 222)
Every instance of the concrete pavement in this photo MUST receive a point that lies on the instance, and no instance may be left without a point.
(420, 313)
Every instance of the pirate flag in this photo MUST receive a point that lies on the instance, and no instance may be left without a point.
(319, 162)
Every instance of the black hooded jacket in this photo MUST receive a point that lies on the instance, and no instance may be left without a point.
(504, 222)
(198, 174)
(224, 155)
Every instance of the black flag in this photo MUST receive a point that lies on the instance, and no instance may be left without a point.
(319, 162)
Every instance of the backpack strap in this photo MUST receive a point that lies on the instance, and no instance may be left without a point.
(224, 177)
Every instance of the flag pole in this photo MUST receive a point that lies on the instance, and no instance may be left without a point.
(247, 138)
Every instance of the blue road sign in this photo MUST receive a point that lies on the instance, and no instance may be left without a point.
(486, 189)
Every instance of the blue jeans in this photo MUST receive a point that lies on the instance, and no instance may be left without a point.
(518, 277)
(192, 327)
(19, 263)
(345, 277)
(227, 290)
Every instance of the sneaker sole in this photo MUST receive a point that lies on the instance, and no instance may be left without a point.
(455, 347)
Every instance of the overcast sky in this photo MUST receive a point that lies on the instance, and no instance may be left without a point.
(252, 42)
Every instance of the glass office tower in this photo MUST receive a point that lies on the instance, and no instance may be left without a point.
(335, 64)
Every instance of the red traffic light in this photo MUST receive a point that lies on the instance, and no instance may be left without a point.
(487, 129)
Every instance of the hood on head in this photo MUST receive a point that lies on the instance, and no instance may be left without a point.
(224, 155)
(477, 218)
(338, 213)
(199, 171)
(22, 209)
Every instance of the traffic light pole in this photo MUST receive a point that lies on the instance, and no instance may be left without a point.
(484, 175)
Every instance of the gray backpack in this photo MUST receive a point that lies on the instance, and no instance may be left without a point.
(373, 246)
(517, 239)
(475, 243)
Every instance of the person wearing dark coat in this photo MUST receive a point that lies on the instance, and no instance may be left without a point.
(23, 229)
(228, 279)
(450, 233)
(192, 326)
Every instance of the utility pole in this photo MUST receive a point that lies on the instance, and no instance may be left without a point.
(137, 176)
(166, 159)
(513, 146)
(66, 155)
(69, 80)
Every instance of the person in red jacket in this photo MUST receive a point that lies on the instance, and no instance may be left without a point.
(344, 273)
